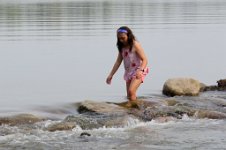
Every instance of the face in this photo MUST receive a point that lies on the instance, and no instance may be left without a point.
(123, 38)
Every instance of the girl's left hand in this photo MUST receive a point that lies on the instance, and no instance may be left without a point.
(139, 74)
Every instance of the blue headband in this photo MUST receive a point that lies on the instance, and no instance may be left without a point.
(122, 31)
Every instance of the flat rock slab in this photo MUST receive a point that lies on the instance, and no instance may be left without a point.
(100, 107)
(99, 120)
(20, 119)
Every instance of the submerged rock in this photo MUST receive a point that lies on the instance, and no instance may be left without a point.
(146, 110)
(163, 111)
(181, 86)
(198, 103)
(171, 102)
(164, 119)
(20, 119)
(61, 126)
(214, 88)
(99, 120)
(100, 114)
(84, 121)
(85, 134)
(94, 115)
(210, 114)
(221, 86)
(210, 88)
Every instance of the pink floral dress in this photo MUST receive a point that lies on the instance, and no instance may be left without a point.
(132, 62)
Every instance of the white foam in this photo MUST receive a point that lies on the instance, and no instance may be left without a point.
(134, 123)
(6, 138)
(185, 117)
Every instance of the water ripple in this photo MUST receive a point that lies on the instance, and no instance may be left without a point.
(82, 18)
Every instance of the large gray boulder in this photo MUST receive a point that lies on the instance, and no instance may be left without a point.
(181, 86)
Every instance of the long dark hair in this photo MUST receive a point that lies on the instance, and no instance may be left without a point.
(130, 35)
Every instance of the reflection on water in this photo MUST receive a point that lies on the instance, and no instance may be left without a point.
(54, 19)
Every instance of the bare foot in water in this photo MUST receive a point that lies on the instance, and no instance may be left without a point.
(132, 104)
(129, 104)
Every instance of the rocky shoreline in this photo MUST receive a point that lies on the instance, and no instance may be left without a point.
(190, 87)
(182, 98)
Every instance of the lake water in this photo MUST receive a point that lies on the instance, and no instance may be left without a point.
(55, 52)
(62, 51)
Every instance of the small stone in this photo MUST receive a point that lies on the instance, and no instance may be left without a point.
(171, 102)
(61, 126)
(85, 134)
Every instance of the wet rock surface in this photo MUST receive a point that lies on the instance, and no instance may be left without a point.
(98, 121)
(221, 86)
(164, 109)
(100, 107)
(93, 114)
(61, 126)
(100, 114)
(20, 119)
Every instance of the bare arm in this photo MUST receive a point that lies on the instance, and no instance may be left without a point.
(115, 68)
(140, 51)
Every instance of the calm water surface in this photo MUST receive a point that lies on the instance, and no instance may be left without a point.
(55, 52)
(61, 51)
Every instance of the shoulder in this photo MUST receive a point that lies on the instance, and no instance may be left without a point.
(137, 46)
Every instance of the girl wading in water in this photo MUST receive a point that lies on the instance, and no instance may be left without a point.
(134, 59)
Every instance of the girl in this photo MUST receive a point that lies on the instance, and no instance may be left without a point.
(134, 59)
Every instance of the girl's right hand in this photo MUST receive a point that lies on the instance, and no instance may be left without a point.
(108, 80)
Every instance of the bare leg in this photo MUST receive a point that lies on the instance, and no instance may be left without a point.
(132, 89)
(127, 88)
